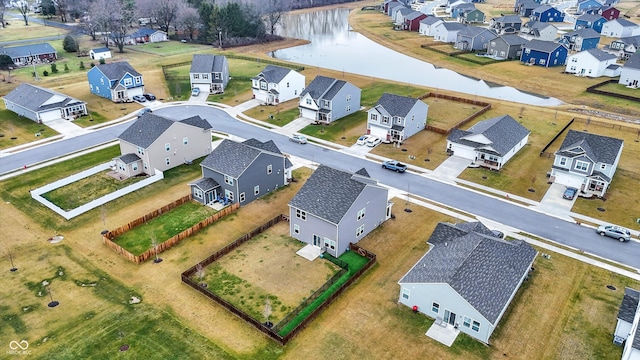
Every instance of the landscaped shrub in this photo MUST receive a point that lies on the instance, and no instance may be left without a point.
(69, 44)
(93, 65)
(54, 68)
(45, 73)
(102, 61)
(82, 65)
(66, 68)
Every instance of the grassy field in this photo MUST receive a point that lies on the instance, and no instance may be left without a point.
(16, 130)
(279, 115)
(343, 131)
(18, 31)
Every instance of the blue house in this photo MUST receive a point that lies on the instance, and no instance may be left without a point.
(593, 21)
(585, 5)
(580, 40)
(546, 13)
(544, 53)
(116, 81)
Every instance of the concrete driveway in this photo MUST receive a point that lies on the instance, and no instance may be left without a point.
(553, 203)
(451, 168)
(65, 127)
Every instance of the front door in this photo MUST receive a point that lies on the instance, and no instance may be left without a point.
(449, 317)
(316, 240)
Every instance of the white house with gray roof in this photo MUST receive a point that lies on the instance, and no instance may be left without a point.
(587, 162)
(630, 74)
(626, 332)
(155, 142)
(335, 208)
(396, 118)
(327, 99)
(428, 25)
(489, 143)
(241, 172)
(447, 31)
(209, 73)
(619, 28)
(42, 105)
(467, 278)
(593, 63)
(277, 84)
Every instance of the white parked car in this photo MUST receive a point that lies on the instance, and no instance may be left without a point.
(373, 141)
(362, 139)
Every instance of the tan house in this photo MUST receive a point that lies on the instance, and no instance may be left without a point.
(154, 142)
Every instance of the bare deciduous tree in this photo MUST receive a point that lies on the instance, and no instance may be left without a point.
(24, 6)
(189, 21)
(273, 11)
(123, 14)
(99, 19)
(165, 12)
(3, 7)
(62, 8)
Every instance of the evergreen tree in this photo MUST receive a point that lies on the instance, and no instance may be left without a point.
(69, 44)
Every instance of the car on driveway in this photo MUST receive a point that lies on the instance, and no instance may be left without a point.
(394, 166)
(613, 231)
(149, 96)
(373, 141)
(300, 139)
(362, 139)
(570, 193)
(195, 91)
(139, 98)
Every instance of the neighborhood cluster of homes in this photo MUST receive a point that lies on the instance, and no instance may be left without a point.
(537, 41)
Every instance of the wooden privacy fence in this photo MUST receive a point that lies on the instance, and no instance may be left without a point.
(594, 90)
(544, 149)
(169, 243)
(485, 107)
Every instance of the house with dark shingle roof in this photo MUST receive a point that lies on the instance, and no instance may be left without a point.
(209, 73)
(489, 143)
(24, 55)
(593, 21)
(428, 24)
(544, 53)
(412, 20)
(42, 105)
(447, 31)
(593, 63)
(471, 17)
(276, 84)
(630, 75)
(579, 40)
(155, 142)
(508, 24)
(395, 118)
(335, 208)
(117, 81)
(627, 326)
(524, 8)
(535, 30)
(587, 162)
(619, 28)
(623, 48)
(146, 35)
(506, 47)
(546, 13)
(474, 38)
(467, 278)
(327, 99)
(240, 172)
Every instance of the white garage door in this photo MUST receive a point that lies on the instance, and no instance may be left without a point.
(204, 88)
(464, 151)
(308, 113)
(50, 115)
(568, 180)
(379, 132)
(135, 91)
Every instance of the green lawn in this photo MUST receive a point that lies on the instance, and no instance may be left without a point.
(168, 48)
(273, 115)
(163, 227)
(350, 127)
(238, 91)
(620, 89)
(92, 119)
(16, 130)
(371, 94)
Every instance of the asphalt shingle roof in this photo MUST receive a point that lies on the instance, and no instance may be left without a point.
(510, 19)
(144, 32)
(599, 148)
(116, 70)
(453, 25)
(473, 31)
(205, 184)
(629, 305)
(101, 50)
(484, 270)
(274, 74)
(544, 46)
(233, 158)
(601, 55)
(633, 62)
(323, 87)
(207, 63)
(39, 99)
(585, 33)
(430, 20)
(396, 105)
(590, 18)
(329, 192)
(129, 158)
(145, 130)
(624, 22)
(504, 132)
(512, 39)
(414, 15)
(26, 50)
(197, 121)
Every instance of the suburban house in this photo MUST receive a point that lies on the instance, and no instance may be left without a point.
(155, 142)
(579, 40)
(276, 84)
(619, 28)
(146, 35)
(117, 81)
(593, 21)
(586, 162)
(583, 6)
(327, 99)
(241, 172)
(335, 208)
(389, 4)
(508, 24)
(460, 8)
(592, 63)
(535, 30)
(395, 118)
(412, 20)
(399, 16)
(24, 55)
(428, 25)
(544, 53)
(393, 7)
(546, 13)
(624, 48)
(489, 143)
(100, 53)
(209, 73)
(42, 105)
(609, 13)
(507, 47)
(524, 8)
(447, 31)
(474, 38)
(630, 75)
(467, 278)
(471, 17)
(627, 332)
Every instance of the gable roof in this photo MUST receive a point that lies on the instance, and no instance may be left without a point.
(598, 54)
(516, 19)
(198, 122)
(599, 148)
(329, 193)
(590, 18)
(624, 22)
(207, 63)
(396, 105)
(473, 31)
(37, 99)
(536, 25)
(101, 50)
(27, 50)
(430, 20)
(512, 39)
(585, 33)
(116, 70)
(629, 305)
(233, 158)
(145, 32)
(147, 128)
(543, 46)
(414, 15)
(273, 73)
(483, 269)
(633, 62)
(504, 132)
(452, 25)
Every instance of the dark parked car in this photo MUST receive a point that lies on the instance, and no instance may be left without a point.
(570, 193)
(149, 97)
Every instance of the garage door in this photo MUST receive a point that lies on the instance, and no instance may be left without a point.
(135, 91)
(204, 88)
(464, 151)
(379, 132)
(50, 115)
(308, 113)
(568, 180)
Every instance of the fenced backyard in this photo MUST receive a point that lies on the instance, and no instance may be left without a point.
(484, 107)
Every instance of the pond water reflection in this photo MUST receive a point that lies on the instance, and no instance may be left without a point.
(334, 46)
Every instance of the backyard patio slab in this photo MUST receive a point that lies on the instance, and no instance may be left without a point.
(443, 334)
(310, 252)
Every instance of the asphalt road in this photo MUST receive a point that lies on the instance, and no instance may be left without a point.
(504, 212)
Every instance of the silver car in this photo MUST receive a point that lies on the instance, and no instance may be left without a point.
(613, 231)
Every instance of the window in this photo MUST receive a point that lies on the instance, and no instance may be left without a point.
(360, 230)
(563, 161)
(330, 244)
(197, 193)
(185, 141)
(295, 92)
(467, 322)
(196, 76)
(256, 190)
(398, 120)
(361, 213)
(435, 307)
(574, 59)
(475, 326)
(302, 215)
(385, 119)
(308, 101)
(242, 197)
(128, 82)
(205, 76)
(348, 108)
(582, 165)
(134, 166)
(603, 166)
(374, 117)
(405, 293)
(216, 76)
(287, 84)
(228, 180)
(138, 79)
(325, 103)
(140, 151)
(101, 81)
(145, 165)
(296, 229)
(167, 161)
(269, 169)
(263, 85)
(348, 97)
(167, 147)
(543, 61)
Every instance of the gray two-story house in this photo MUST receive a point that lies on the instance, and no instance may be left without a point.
(506, 47)
(335, 208)
(395, 118)
(474, 38)
(209, 73)
(241, 172)
(508, 24)
(586, 162)
(327, 99)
